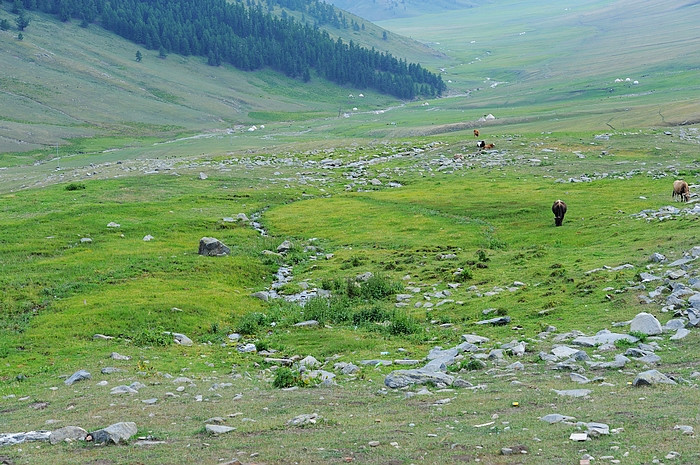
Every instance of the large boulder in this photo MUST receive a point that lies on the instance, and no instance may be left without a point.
(646, 323)
(71, 433)
(115, 433)
(212, 247)
(403, 378)
(77, 376)
(647, 378)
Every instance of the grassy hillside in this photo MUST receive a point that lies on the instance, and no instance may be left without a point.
(451, 235)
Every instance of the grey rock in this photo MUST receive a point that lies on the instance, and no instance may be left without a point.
(364, 276)
(517, 366)
(573, 392)
(325, 377)
(439, 353)
(650, 377)
(648, 277)
(307, 324)
(561, 352)
(72, 433)
(467, 347)
(218, 429)
(556, 418)
(284, 247)
(11, 439)
(674, 325)
(597, 429)
(116, 433)
(304, 420)
(500, 321)
(602, 337)
(182, 339)
(309, 362)
(403, 378)
(347, 368)
(118, 356)
(109, 370)
(646, 323)
(578, 378)
(246, 348)
(262, 295)
(685, 429)
(212, 247)
(619, 362)
(77, 376)
(657, 257)
(375, 362)
(461, 383)
(680, 334)
(123, 390)
(474, 339)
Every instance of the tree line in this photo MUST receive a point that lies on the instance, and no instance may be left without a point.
(249, 38)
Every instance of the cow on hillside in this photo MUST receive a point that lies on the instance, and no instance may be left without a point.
(559, 210)
(681, 190)
(476, 133)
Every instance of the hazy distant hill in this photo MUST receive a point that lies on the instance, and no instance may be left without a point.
(377, 10)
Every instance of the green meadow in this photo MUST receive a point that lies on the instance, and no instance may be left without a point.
(356, 184)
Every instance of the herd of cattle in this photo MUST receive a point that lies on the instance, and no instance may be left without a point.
(681, 191)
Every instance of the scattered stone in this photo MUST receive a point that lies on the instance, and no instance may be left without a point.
(556, 418)
(685, 429)
(112, 224)
(218, 429)
(72, 433)
(650, 377)
(148, 238)
(11, 439)
(284, 247)
(123, 389)
(309, 362)
(102, 337)
(500, 321)
(680, 334)
(306, 324)
(304, 420)
(212, 247)
(77, 376)
(262, 295)
(573, 392)
(474, 339)
(182, 339)
(117, 356)
(403, 378)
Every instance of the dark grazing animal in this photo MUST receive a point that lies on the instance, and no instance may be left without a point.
(681, 190)
(481, 144)
(488, 146)
(476, 133)
(559, 210)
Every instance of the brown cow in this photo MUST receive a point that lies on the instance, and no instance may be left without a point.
(488, 146)
(559, 210)
(476, 133)
(681, 190)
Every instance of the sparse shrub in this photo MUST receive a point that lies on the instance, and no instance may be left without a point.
(369, 315)
(75, 186)
(402, 324)
(639, 335)
(285, 377)
(251, 323)
(501, 311)
(378, 287)
(152, 337)
(624, 344)
(481, 256)
(472, 365)
(318, 309)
